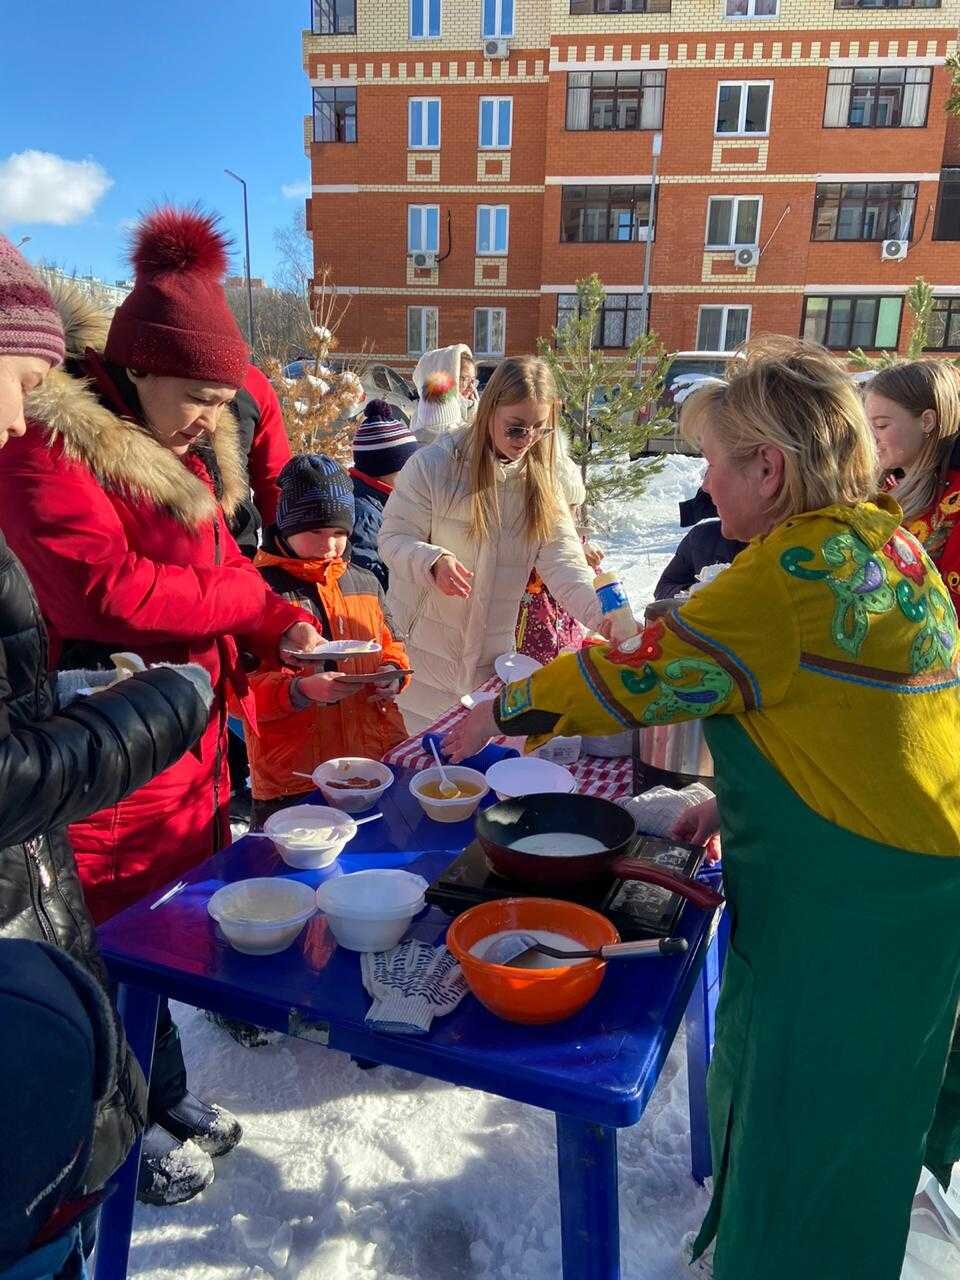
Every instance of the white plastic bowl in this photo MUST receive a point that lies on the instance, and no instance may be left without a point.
(528, 776)
(309, 855)
(263, 916)
(457, 809)
(371, 910)
(352, 767)
(515, 666)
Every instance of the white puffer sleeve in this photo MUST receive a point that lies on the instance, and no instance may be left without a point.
(569, 579)
(404, 541)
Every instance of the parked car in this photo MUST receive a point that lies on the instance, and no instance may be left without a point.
(485, 372)
(380, 382)
(685, 370)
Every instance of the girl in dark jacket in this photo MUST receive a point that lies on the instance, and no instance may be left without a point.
(62, 758)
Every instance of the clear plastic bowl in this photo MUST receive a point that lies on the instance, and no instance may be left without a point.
(309, 856)
(459, 808)
(371, 910)
(262, 916)
(352, 767)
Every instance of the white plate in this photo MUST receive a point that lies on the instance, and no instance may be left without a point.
(333, 649)
(515, 666)
(529, 776)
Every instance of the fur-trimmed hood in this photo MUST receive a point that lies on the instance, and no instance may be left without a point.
(127, 458)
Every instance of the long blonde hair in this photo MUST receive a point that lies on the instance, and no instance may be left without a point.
(514, 380)
(793, 395)
(918, 386)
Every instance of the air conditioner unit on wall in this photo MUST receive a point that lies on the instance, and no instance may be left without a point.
(426, 261)
(894, 250)
(747, 257)
(496, 48)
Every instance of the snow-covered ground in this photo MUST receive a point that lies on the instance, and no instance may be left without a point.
(346, 1174)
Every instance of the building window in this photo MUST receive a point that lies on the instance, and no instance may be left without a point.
(619, 322)
(335, 115)
(422, 330)
(864, 210)
(753, 8)
(733, 222)
(424, 19)
(489, 331)
(615, 99)
(334, 17)
(947, 224)
(493, 229)
(423, 123)
(496, 123)
(943, 328)
(743, 107)
(722, 328)
(423, 228)
(886, 4)
(877, 97)
(619, 6)
(842, 323)
(497, 17)
(598, 214)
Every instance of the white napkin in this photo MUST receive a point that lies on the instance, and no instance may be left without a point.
(658, 809)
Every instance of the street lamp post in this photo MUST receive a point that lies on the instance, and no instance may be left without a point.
(246, 240)
(648, 244)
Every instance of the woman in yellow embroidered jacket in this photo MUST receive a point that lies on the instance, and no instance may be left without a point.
(826, 659)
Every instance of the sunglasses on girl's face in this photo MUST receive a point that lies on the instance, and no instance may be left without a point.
(521, 433)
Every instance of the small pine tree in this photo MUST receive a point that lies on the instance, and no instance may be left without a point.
(316, 405)
(609, 405)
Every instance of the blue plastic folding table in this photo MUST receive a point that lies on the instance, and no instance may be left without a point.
(596, 1071)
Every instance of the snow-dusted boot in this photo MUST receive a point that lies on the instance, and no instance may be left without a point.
(171, 1172)
(214, 1130)
(246, 1033)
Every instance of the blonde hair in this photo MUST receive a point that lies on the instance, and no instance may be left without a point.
(514, 381)
(918, 386)
(795, 396)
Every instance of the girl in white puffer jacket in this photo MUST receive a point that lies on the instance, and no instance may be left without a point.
(468, 519)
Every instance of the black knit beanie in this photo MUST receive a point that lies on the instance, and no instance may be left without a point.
(315, 493)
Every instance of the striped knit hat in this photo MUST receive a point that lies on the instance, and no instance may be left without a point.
(383, 442)
(315, 493)
(29, 322)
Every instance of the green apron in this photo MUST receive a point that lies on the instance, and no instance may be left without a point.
(834, 1022)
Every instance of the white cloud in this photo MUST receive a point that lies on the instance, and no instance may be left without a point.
(295, 190)
(38, 186)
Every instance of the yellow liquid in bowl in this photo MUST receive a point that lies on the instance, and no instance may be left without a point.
(466, 791)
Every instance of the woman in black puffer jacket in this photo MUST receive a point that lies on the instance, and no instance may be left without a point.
(61, 763)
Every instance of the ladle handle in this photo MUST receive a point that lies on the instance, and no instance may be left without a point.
(701, 895)
(648, 947)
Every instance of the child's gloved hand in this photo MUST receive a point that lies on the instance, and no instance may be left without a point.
(326, 687)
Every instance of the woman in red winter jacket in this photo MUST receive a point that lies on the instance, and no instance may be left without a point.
(117, 500)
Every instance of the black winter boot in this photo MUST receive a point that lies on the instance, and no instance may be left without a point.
(214, 1130)
(171, 1171)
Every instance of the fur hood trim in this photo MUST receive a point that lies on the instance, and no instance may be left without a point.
(126, 458)
(85, 322)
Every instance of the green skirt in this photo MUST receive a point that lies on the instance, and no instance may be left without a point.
(834, 1023)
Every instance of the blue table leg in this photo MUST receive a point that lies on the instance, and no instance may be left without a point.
(589, 1203)
(700, 1024)
(138, 1012)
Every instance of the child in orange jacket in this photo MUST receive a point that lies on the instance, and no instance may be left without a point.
(304, 719)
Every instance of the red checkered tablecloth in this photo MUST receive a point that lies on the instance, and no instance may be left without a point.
(595, 775)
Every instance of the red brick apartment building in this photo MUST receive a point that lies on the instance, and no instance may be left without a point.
(472, 158)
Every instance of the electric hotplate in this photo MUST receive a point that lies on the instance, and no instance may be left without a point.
(636, 909)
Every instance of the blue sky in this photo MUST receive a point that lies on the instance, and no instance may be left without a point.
(159, 99)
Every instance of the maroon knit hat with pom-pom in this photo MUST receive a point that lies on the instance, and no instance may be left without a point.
(29, 323)
(176, 321)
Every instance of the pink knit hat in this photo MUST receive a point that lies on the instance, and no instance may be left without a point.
(29, 322)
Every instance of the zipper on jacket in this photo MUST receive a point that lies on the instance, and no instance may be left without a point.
(415, 616)
(35, 881)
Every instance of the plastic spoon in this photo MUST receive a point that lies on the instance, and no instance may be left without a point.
(357, 822)
(448, 788)
(519, 951)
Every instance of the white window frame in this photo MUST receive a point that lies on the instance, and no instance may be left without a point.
(491, 211)
(726, 308)
(496, 105)
(424, 329)
(425, 104)
(499, 33)
(421, 210)
(489, 311)
(751, 7)
(734, 243)
(741, 117)
(425, 12)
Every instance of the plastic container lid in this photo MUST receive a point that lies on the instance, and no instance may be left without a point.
(262, 903)
(301, 821)
(373, 895)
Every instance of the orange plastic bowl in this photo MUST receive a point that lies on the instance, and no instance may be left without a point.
(531, 996)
